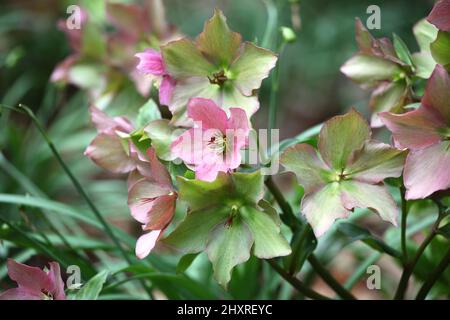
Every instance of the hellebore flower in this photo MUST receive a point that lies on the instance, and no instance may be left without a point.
(347, 171)
(227, 219)
(214, 144)
(108, 149)
(216, 66)
(426, 133)
(440, 15)
(378, 66)
(151, 62)
(34, 283)
(151, 200)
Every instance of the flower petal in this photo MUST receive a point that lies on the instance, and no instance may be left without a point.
(21, 294)
(415, 129)
(427, 171)
(303, 160)
(208, 113)
(252, 67)
(150, 61)
(31, 278)
(161, 212)
(356, 194)
(217, 42)
(323, 207)
(437, 93)
(183, 59)
(146, 243)
(341, 137)
(166, 90)
(440, 15)
(57, 288)
(108, 152)
(376, 162)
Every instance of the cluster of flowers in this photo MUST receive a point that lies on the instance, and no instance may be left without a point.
(210, 86)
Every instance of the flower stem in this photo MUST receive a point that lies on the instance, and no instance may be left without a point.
(431, 280)
(403, 225)
(294, 223)
(296, 283)
(409, 267)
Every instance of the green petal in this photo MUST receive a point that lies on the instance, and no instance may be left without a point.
(323, 207)
(440, 48)
(341, 137)
(356, 194)
(162, 135)
(388, 97)
(425, 34)
(217, 42)
(376, 162)
(249, 185)
(232, 97)
(183, 59)
(251, 68)
(191, 235)
(303, 160)
(228, 246)
(269, 243)
(369, 70)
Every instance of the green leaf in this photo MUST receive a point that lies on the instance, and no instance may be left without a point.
(355, 233)
(185, 262)
(229, 244)
(445, 230)
(269, 243)
(148, 112)
(402, 50)
(92, 288)
(440, 48)
(303, 244)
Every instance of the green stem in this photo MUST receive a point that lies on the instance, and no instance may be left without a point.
(329, 279)
(409, 267)
(434, 276)
(275, 86)
(403, 225)
(296, 283)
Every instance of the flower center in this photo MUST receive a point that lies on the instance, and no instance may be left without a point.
(47, 295)
(218, 78)
(217, 143)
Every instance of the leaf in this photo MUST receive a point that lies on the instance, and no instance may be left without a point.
(402, 50)
(425, 34)
(355, 233)
(185, 262)
(228, 246)
(303, 244)
(92, 288)
(148, 112)
(162, 135)
(445, 230)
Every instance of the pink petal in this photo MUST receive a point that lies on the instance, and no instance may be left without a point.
(208, 113)
(208, 170)
(238, 120)
(21, 294)
(440, 15)
(146, 243)
(106, 124)
(161, 212)
(437, 93)
(108, 152)
(166, 89)
(415, 129)
(57, 288)
(192, 146)
(158, 171)
(31, 278)
(427, 171)
(61, 72)
(151, 61)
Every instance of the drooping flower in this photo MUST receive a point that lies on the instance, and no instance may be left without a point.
(214, 144)
(378, 66)
(151, 200)
(440, 15)
(34, 283)
(216, 66)
(227, 219)
(108, 149)
(426, 133)
(346, 172)
(151, 62)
